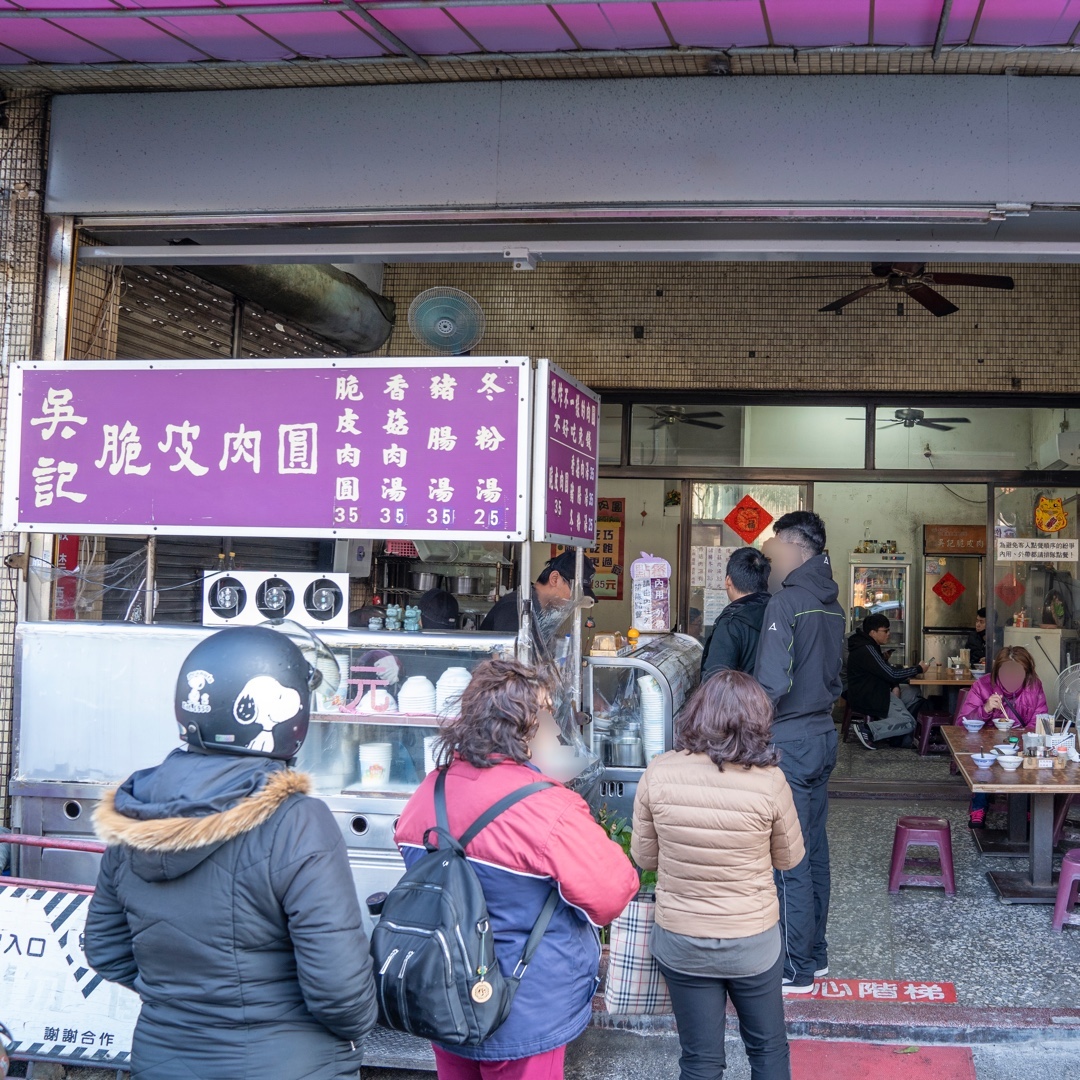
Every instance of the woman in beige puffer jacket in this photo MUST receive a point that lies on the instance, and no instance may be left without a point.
(714, 818)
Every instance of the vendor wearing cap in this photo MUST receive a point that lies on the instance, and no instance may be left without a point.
(551, 590)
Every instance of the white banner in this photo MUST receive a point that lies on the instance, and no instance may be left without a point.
(1037, 549)
(54, 1003)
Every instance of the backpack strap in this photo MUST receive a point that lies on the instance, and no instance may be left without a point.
(486, 818)
(442, 821)
(537, 932)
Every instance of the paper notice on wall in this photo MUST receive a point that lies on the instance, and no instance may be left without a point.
(716, 566)
(715, 602)
(699, 554)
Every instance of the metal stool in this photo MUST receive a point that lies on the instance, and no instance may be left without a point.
(927, 723)
(921, 831)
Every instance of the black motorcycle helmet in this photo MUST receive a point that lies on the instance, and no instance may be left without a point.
(245, 690)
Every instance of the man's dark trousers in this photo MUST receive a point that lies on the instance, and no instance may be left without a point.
(804, 891)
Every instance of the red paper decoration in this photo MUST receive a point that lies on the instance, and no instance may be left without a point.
(748, 519)
(950, 589)
(1009, 590)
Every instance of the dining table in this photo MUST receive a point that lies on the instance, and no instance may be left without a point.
(1036, 787)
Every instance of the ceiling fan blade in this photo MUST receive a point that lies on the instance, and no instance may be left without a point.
(934, 425)
(701, 415)
(949, 419)
(889, 423)
(843, 302)
(981, 281)
(880, 269)
(933, 301)
(702, 423)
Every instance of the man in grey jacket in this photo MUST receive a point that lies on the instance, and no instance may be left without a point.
(225, 899)
(798, 664)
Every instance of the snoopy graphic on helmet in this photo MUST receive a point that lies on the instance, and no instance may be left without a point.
(264, 701)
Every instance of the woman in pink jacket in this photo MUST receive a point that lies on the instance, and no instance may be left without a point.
(1010, 691)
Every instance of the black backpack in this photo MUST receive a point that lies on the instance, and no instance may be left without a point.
(436, 973)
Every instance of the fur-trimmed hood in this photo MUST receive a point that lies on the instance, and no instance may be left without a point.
(176, 815)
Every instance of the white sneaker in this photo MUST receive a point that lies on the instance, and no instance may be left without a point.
(790, 987)
(821, 972)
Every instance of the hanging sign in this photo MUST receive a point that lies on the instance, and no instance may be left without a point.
(954, 539)
(66, 1011)
(566, 459)
(607, 549)
(748, 519)
(389, 447)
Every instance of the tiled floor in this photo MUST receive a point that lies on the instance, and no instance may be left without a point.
(854, 761)
(996, 954)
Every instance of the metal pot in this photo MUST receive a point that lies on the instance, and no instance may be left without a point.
(422, 580)
(627, 751)
(463, 585)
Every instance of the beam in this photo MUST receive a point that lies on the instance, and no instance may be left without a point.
(361, 13)
(942, 26)
(829, 250)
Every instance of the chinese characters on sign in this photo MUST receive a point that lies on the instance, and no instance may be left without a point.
(607, 550)
(567, 450)
(66, 1009)
(954, 539)
(402, 446)
(931, 993)
(1037, 549)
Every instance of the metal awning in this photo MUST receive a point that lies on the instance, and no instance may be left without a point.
(154, 32)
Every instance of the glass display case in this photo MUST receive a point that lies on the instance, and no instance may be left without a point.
(376, 732)
(635, 700)
(881, 584)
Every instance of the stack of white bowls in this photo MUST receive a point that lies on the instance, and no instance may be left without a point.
(448, 691)
(417, 696)
(652, 716)
(377, 700)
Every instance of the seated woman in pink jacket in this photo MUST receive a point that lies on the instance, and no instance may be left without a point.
(1010, 691)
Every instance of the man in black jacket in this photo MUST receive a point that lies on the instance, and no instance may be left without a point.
(225, 899)
(874, 685)
(733, 643)
(798, 664)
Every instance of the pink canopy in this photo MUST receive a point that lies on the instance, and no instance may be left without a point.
(172, 31)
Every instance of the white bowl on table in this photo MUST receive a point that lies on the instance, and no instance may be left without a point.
(1003, 725)
(972, 725)
(983, 761)
(1007, 749)
(1010, 764)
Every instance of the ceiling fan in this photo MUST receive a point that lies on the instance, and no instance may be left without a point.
(677, 414)
(913, 279)
(911, 418)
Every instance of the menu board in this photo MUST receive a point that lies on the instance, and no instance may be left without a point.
(408, 447)
(566, 458)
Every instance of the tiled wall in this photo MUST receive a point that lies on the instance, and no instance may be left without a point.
(756, 326)
(22, 137)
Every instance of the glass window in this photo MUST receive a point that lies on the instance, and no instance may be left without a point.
(610, 434)
(957, 437)
(726, 517)
(1036, 567)
(748, 435)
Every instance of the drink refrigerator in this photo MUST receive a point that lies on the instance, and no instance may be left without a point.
(881, 584)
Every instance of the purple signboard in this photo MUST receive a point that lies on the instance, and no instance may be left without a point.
(389, 447)
(566, 456)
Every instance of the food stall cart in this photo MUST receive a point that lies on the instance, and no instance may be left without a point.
(432, 450)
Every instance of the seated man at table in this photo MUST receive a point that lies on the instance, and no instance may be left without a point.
(976, 640)
(877, 688)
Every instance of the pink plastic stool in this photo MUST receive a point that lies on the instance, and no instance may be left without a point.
(1068, 886)
(927, 832)
(928, 723)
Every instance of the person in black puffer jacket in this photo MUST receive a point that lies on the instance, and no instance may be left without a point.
(733, 643)
(225, 898)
